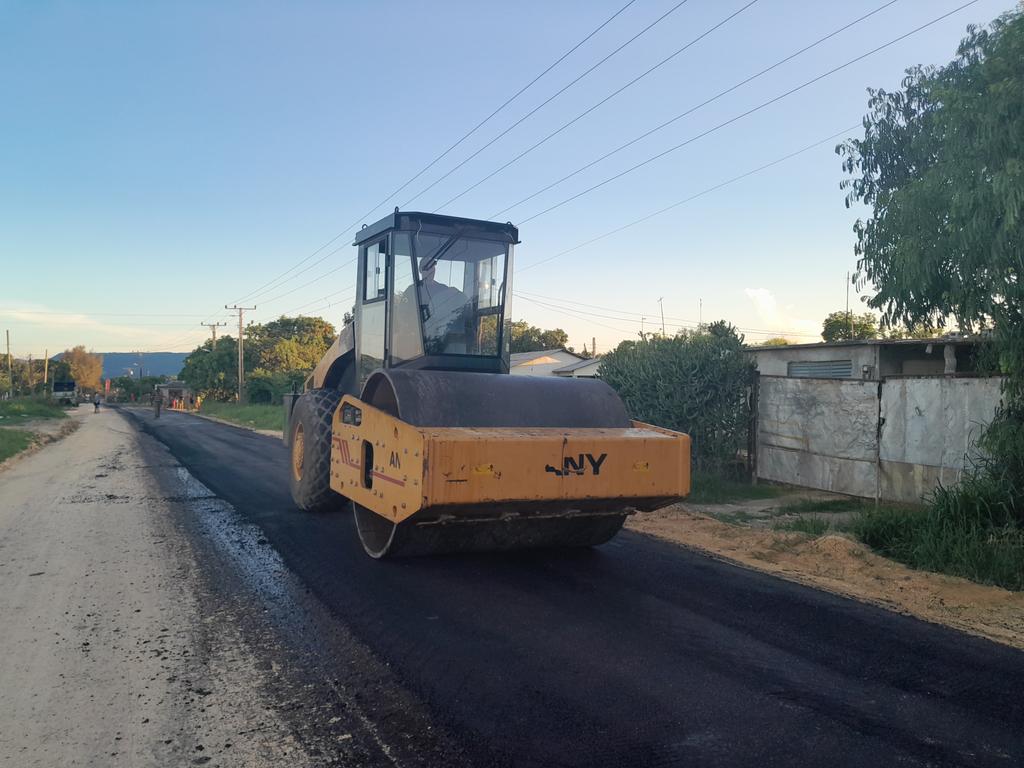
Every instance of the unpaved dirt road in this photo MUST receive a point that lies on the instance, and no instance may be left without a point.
(639, 653)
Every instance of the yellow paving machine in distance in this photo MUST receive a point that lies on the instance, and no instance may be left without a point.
(413, 417)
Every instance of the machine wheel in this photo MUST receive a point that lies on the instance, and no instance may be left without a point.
(309, 470)
(430, 401)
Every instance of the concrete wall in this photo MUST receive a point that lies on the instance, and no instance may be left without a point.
(823, 433)
(818, 433)
(775, 361)
(929, 426)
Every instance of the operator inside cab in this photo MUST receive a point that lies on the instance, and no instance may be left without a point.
(445, 315)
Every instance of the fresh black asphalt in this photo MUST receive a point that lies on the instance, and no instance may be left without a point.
(638, 653)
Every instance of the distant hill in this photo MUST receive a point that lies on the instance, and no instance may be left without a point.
(153, 363)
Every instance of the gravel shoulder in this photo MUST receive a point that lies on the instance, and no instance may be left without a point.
(108, 657)
(840, 565)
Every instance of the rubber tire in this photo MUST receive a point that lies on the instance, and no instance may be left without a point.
(313, 413)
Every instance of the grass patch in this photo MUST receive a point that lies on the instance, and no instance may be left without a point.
(256, 416)
(13, 441)
(710, 489)
(814, 525)
(25, 408)
(970, 530)
(826, 506)
(740, 517)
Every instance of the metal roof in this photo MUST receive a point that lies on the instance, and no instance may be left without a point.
(416, 221)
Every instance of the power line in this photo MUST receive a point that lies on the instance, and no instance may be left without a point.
(740, 116)
(606, 99)
(547, 101)
(444, 154)
(687, 325)
(689, 199)
(689, 111)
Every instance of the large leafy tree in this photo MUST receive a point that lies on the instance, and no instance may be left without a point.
(941, 165)
(845, 326)
(86, 367)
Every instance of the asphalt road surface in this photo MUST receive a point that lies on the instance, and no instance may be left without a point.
(637, 653)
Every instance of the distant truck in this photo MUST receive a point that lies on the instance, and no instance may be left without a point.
(65, 392)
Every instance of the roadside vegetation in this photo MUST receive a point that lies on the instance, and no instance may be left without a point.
(254, 415)
(940, 167)
(14, 441)
(710, 488)
(22, 409)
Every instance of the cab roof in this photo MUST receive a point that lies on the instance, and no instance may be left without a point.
(435, 222)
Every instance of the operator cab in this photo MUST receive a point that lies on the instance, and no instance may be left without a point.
(432, 293)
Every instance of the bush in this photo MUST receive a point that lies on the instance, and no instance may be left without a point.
(971, 530)
(698, 383)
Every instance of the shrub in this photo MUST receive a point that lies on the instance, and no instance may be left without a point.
(696, 382)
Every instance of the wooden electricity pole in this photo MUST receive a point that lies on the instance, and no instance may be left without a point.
(213, 328)
(241, 354)
(46, 367)
(10, 368)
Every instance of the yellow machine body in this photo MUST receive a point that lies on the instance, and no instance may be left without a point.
(398, 470)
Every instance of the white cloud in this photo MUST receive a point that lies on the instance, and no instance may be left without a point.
(779, 320)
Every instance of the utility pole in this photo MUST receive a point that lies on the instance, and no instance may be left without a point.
(661, 303)
(700, 312)
(30, 373)
(10, 368)
(46, 367)
(241, 355)
(593, 346)
(213, 329)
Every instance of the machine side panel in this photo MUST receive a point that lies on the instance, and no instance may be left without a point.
(377, 462)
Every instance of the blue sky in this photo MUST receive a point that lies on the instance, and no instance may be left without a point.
(162, 159)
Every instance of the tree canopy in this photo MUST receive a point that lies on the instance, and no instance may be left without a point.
(845, 326)
(941, 165)
(86, 367)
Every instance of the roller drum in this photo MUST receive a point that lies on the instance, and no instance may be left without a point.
(454, 399)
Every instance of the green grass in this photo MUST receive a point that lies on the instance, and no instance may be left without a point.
(25, 408)
(805, 506)
(710, 489)
(740, 517)
(971, 530)
(13, 441)
(814, 525)
(256, 416)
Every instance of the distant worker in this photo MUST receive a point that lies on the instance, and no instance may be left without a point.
(158, 400)
(96, 402)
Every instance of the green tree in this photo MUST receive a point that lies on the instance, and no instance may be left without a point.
(845, 326)
(776, 341)
(941, 168)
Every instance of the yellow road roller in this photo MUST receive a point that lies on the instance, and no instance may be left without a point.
(412, 415)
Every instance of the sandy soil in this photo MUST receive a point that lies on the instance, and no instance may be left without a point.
(107, 659)
(846, 567)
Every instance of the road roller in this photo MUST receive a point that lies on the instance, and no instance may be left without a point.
(413, 418)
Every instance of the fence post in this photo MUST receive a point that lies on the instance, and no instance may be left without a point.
(755, 392)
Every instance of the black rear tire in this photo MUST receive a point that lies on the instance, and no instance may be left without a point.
(309, 467)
